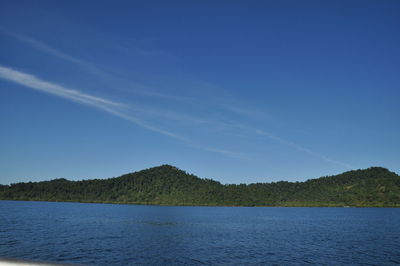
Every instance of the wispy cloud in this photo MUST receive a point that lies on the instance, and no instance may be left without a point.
(91, 68)
(54, 52)
(103, 104)
(33, 82)
(301, 148)
(231, 105)
(119, 109)
(112, 107)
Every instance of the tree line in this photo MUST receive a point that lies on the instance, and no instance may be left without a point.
(168, 185)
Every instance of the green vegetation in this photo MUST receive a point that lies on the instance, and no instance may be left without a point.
(167, 185)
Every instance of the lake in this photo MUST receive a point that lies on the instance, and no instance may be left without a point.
(108, 234)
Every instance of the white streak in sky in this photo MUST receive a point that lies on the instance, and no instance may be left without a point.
(54, 52)
(33, 82)
(300, 148)
(136, 88)
(114, 107)
(106, 105)
(88, 66)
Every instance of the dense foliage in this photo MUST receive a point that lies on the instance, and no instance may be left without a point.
(170, 186)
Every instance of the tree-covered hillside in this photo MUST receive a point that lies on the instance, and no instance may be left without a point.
(168, 185)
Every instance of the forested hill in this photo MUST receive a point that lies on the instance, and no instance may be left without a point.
(167, 185)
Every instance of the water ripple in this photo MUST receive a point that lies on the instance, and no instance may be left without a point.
(98, 234)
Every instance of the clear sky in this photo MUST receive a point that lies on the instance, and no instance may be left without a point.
(237, 91)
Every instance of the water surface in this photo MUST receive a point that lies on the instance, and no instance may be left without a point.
(108, 234)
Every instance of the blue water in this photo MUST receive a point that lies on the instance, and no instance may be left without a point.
(107, 234)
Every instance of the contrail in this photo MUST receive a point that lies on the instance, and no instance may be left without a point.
(300, 148)
(54, 52)
(106, 105)
(98, 72)
(33, 82)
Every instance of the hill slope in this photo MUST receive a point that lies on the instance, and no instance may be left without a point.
(168, 185)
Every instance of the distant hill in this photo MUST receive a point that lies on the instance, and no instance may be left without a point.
(168, 185)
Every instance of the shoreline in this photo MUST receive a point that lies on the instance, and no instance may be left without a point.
(207, 205)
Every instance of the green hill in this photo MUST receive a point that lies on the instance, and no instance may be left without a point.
(167, 185)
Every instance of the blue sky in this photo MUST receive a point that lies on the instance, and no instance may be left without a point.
(237, 91)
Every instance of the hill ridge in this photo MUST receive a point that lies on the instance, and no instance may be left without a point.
(169, 185)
